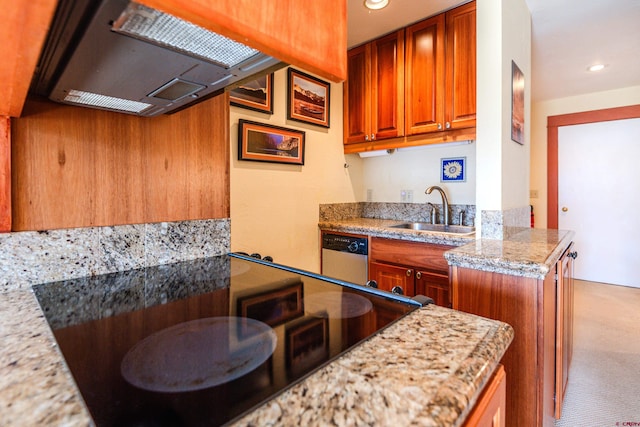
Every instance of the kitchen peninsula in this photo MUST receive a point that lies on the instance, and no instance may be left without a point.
(434, 374)
(524, 280)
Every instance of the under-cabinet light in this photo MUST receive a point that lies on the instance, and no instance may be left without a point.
(104, 101)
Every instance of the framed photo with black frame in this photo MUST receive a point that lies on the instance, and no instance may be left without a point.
(254, 95)
(262, 142)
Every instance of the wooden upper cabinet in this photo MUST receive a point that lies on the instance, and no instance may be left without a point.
(357, 96)
(425, 76)
(441, 72)
(460, 103)
(374, 90)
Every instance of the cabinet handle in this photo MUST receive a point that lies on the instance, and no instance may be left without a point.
(372, 284)
(439, 126)
(573, 255)
(409, 273)
(366, 137)
(448, 125)
(373, 136)
(418, 275)
(397, 290)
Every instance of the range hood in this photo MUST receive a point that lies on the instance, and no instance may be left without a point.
(122, 56)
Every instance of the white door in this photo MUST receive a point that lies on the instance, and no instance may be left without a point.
(599, 198)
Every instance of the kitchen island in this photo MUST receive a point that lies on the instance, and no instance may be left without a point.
(429, 367)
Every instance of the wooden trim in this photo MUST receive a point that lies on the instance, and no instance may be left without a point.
(553, 122)
(24, 27)
(443, 137)
(307, 34)
(5, 174)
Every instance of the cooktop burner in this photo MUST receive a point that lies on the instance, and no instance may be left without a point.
(198, 354)
(200, 343)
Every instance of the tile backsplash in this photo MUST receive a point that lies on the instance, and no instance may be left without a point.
(32, 257)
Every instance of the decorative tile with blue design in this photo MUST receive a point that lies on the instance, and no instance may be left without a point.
(453, 169)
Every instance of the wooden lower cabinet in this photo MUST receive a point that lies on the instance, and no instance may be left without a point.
(532, 308)
(489, 410)
(564, 325)
(410, 268)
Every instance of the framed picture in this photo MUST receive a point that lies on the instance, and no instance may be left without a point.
(274, 307)
(267, 143)
(453, 169)
(517, 104)
(307, 98)
(306, 344)
(254, 95)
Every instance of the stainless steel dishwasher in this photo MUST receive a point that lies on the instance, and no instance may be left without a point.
(345, 257)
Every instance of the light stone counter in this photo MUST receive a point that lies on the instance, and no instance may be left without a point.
(527, 252)
(427, 369)
(381, 228)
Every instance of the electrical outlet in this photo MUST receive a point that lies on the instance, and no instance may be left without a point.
(403, 195)
(369, 195)
(409, 196)
(533, 194)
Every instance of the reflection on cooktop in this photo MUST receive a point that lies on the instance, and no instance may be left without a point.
(198, 354)
(201, 342)
(337, 305)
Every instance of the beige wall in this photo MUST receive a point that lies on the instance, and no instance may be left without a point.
(504, 34)
(416, 169)
(274, 207)
(554, 107)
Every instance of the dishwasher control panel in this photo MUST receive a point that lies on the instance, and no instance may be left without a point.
(342, 243)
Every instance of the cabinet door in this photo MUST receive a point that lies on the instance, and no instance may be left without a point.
(435, 286)
(564, 326)
(460, 102)
(387, 86)
(392, 276)
(490, 408)
(357, 95)
(424, 76)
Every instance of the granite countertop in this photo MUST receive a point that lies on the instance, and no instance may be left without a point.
(527, 252)
(428, 368)
(381, 228)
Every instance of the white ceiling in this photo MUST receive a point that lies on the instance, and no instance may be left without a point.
(568, 36)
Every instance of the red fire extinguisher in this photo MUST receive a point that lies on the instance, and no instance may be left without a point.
(532, 219)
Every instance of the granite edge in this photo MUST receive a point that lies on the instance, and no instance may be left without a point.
(449, 405)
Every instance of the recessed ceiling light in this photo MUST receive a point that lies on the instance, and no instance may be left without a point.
(375, 4)
(596, 67)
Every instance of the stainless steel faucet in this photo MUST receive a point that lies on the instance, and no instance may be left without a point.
(445, 202)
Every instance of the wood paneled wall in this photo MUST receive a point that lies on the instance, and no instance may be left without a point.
(79, 167)
(5, 174)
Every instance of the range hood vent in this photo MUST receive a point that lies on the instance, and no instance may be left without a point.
(125, 57)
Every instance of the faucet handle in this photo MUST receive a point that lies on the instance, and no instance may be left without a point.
(433, 212)
(461, 216)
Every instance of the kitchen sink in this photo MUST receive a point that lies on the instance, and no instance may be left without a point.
(440, 228)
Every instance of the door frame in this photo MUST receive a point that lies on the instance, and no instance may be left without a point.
(553, 123)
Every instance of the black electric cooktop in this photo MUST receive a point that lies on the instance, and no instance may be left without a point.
(200, 343)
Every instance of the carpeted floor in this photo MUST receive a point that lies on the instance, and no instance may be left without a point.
(604, 378)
